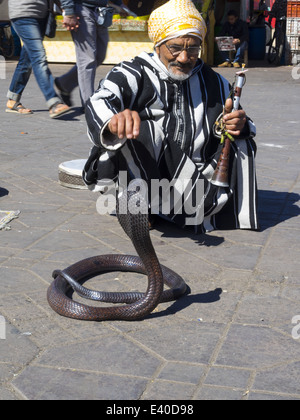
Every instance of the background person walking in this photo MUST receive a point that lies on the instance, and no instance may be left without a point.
(81, 18)
(29, 21)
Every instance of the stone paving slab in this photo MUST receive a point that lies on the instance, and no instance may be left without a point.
(230, 339)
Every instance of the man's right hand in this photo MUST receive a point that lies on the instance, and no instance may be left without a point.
(71, 23)
(126, 124)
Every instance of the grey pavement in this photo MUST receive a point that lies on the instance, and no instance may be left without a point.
(232, 338)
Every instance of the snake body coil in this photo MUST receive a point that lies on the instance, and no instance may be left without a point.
(138, 305)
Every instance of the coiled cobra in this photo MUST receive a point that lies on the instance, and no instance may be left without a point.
(132, 212)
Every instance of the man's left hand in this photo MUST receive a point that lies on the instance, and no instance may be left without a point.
(71, 23)
(234, 121)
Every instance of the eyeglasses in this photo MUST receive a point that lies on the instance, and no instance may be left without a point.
(176, 50)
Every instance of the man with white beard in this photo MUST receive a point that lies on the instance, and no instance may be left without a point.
(154, 116)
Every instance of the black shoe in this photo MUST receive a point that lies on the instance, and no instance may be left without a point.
(65, 96)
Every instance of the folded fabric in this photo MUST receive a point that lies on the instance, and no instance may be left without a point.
(175, 18)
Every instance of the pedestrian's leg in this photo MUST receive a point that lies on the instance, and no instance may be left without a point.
(85, 40)
(18, 83)
(240, 52)
(66, 84)
(225, 58)
(20, 77)
(31, 31)
(102, 42)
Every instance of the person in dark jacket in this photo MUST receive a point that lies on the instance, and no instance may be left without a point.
(81, 18)
(238, 29)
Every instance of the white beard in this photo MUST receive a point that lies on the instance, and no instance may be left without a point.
(177, 76)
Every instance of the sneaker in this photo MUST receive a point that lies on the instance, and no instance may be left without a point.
(236, 65)
(225, 64)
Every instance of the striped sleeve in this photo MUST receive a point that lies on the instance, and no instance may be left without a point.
(116, 93)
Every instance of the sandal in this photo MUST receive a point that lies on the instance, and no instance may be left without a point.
(18, 108)
(58, 109)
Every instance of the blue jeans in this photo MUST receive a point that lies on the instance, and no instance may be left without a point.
(32, 57)
(239, 55)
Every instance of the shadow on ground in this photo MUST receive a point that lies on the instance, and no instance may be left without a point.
(275, 207)
(3, 192)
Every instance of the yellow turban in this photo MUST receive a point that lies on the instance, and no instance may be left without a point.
(175, 18)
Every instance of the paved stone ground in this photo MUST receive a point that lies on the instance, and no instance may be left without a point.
(231, 338)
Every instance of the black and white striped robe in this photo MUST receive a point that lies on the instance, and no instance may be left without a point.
(176, 139)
